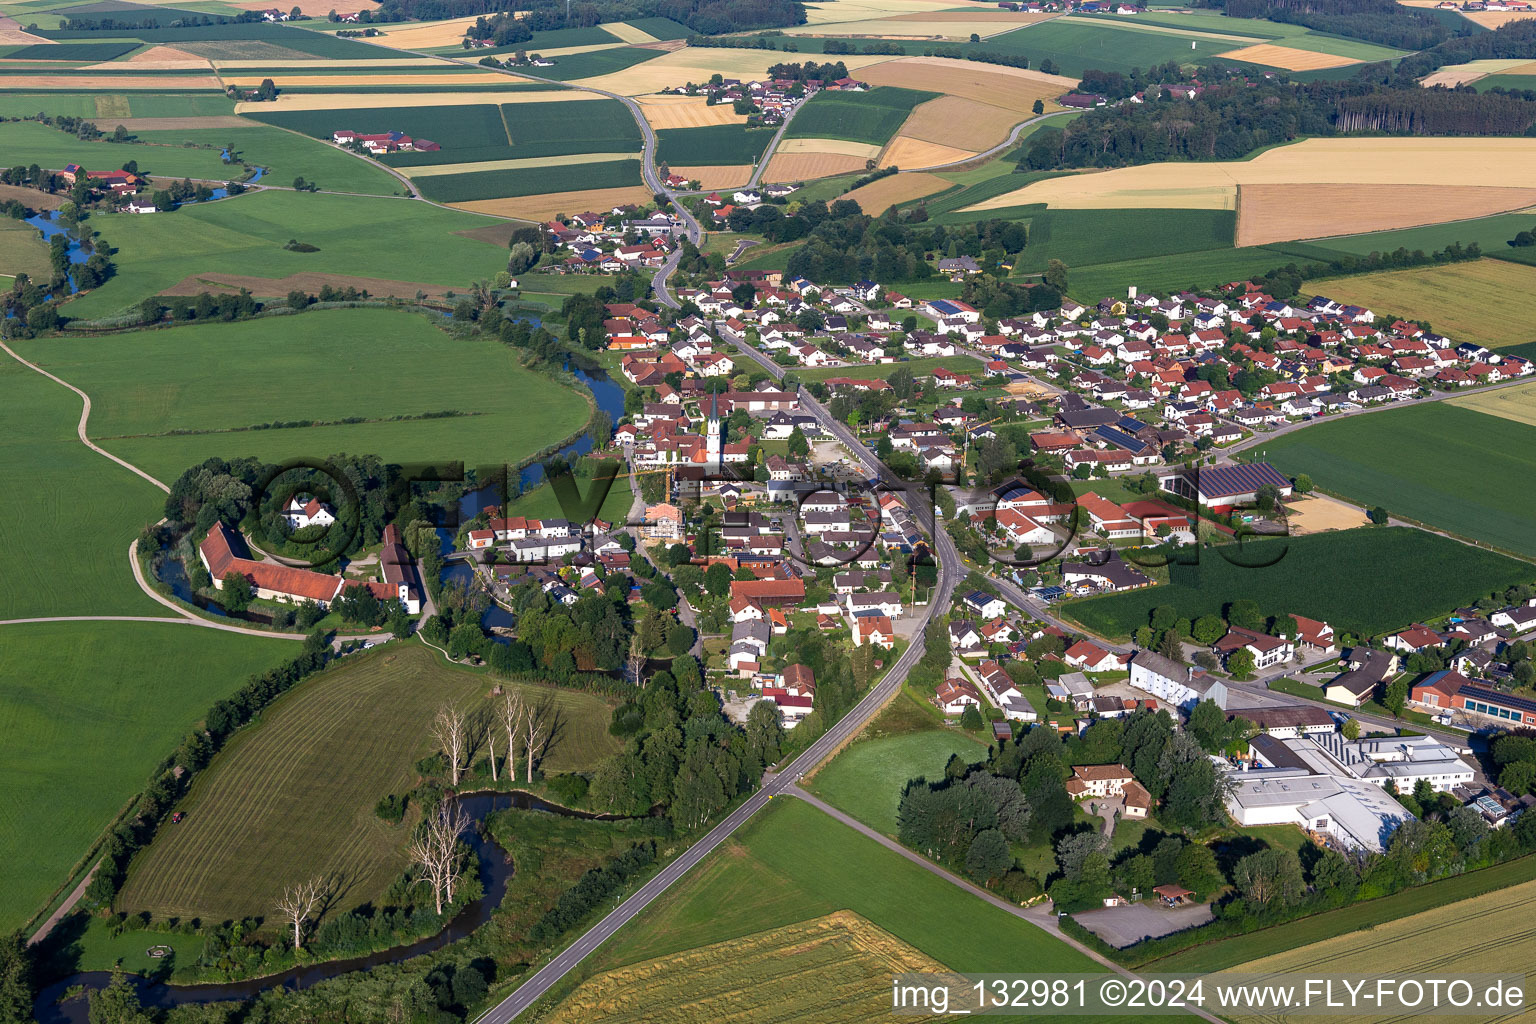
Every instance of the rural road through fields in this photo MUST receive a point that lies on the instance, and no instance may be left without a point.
(1037, 916)
(988, 154)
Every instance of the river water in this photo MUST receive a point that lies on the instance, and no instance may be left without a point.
(495, 871)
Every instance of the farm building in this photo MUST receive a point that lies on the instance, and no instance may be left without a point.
(1222, 488)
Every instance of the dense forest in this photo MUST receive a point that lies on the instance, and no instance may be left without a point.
(1235, 116)
(1378, 21)
(1514, 41)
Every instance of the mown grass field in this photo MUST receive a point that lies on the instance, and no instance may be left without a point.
(286, 156)
(325, 366)
(867, 778)
(529, 181)
(67, 520)
(29, 142)
(460, 129)
(1485, 301)
(294, 796)
(23, 251)
(1475, 474)
(792, 863)
(1077, 44)
(715, 144)
(1354, 923)
(87, 710)
(356, 235)
(870, 117)
(1367, 581)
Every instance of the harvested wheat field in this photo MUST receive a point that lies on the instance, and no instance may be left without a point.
(286, 81)
(805, 166)
(1016, 88)
(1319, 514)
(915, 154)
(552, 204)
(1489, 934)
(565, 160)
(114, 83)
(12, 34)
(419, 36)
(716, 175)
(1420, 161)
(687, 112)
(1493, 19)
(307, 281)
(841, 147)
(1271, 55)
(961, 123)
(894, 190)
(697, 64)
(1287, 213)
(1517, 403)
(157, 58)
(33, 198)
(369, 100)
(828, 970)
(402, 61)
(1487, 302)
(828, 12)
(1465, 74)
(628, 33)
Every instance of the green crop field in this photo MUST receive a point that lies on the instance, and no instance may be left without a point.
(1366, 581)
(293, 797)
(23, 251)
(1081, 238)
(866, 779)
(326, 366)
(529, 181)
(83, 52)
(1077, 44)
(661, 28)
(871, 117)
(919, 367)
(1450, 487)
(1520, 83)
(597, 62)
(481, 131)
(317, 44)
(29, 142)
(88, 709)
(66, 525)
(356, 235)
(287, 155)
(99, 105)
(791, 863)
(1491, 233)
(716, 144)
(1156, 274)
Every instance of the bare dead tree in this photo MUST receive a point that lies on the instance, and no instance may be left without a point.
(452, 734)
(510, 714)
(296, 904)
(490, 743)
(535, 726)
(434, 849)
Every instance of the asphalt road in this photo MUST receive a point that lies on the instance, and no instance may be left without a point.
(530, 991)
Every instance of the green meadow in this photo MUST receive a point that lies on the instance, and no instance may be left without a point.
(31, 142)
(286, 156)
(359, 236)
(207, 382)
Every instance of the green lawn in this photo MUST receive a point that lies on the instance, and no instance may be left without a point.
(29, 142)
(1453, 487)
(327, 366)
(871, 117)
(867, 778)
(356, 235)
(67, 521)
(87, 710)
(1366, 581)
(288, 155)
(294, 796)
